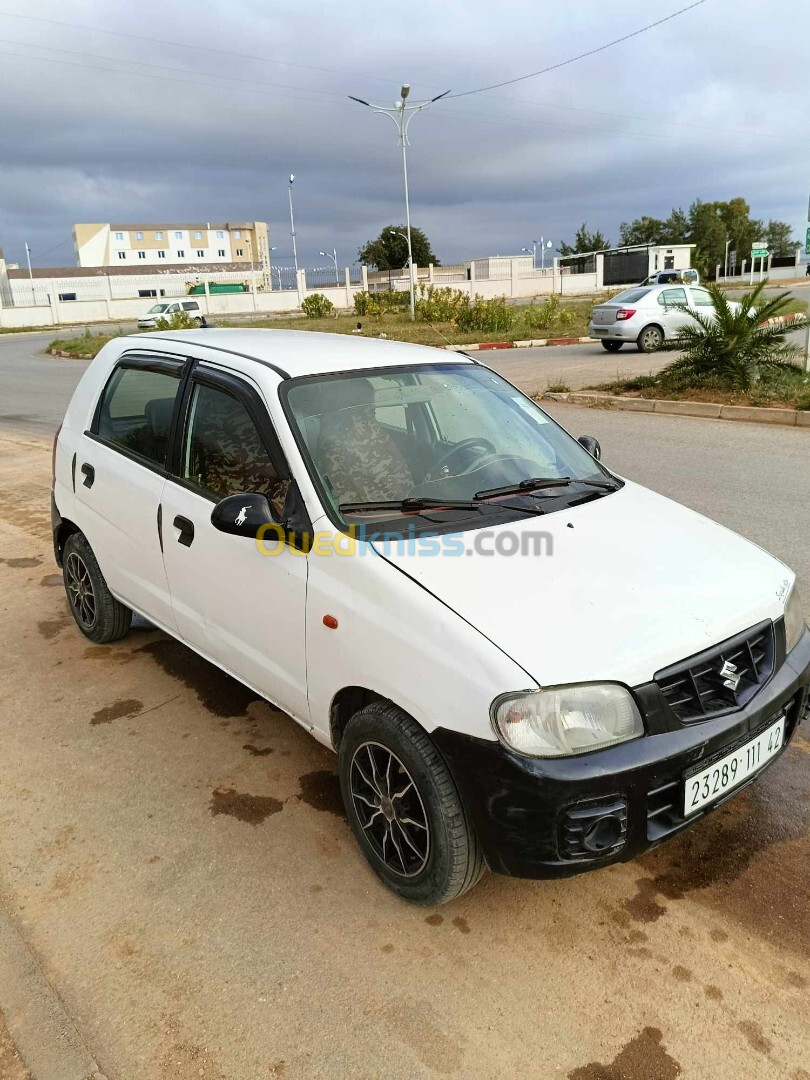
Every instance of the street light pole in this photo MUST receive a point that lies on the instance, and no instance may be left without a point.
(402, 115)
(292, 223)
(28, 257)
(725, 258)
(333, 257)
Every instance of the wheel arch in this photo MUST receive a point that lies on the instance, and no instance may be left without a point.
(346, 702)
(63, 531)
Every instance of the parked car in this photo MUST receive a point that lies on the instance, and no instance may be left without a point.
(167, 308)
(522, 660)
(648, 315)
(673, 277)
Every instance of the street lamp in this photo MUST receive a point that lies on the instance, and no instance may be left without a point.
(292, 223)
(725, 258)
(533, 253)
(402, 115)
(544, 246)
(333, 257)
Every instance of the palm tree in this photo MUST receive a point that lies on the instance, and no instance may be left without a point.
(732, 347)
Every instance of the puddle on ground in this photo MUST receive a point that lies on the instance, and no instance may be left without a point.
(461, 924)
(116, 711)
(22, 564)
(763, 829)
(252, 809)
(52, 580)
(221, 694)
(643, 1058)
(49, 628)
(254, 751)
(321, 791)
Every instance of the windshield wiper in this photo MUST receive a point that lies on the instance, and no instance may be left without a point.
(532, 484)
(416, 503)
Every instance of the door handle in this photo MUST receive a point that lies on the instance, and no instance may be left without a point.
(186, 527)
(89, 474)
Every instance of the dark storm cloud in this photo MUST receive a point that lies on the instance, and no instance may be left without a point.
(99, 127)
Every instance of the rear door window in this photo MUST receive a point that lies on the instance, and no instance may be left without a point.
(701, 297)
(136, 408)
(672, 297)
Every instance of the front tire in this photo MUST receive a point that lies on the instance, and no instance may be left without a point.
(650, 339)
(612, 346)
(404, 809)
(97, 613)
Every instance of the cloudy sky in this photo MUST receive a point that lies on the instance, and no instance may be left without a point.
(159, 111)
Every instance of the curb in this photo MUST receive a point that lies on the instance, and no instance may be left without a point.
(69, 355)
(46, 1038)
(538, 343)
(703, 409)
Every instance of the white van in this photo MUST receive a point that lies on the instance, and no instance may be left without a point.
(523, 661)
(166, 309)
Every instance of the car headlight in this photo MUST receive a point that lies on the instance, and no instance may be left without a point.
(566, 720)
(794, 619)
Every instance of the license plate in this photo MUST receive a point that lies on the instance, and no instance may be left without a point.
(730, 771)
(598, 332)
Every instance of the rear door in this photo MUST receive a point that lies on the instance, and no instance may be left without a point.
(242, 608)
(701, 301)
(120, 475)
(673, 303)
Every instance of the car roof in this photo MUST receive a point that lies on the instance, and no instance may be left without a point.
(301, 352)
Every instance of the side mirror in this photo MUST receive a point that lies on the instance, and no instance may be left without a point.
(591, 445)
(242, 515)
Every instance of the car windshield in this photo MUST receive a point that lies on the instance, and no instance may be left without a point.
(156, 309)
(631, 296)
(432, 433)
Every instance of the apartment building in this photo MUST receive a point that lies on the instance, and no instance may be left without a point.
(171, 245)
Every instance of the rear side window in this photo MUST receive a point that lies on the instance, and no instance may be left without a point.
(136, 411)
(190, 305)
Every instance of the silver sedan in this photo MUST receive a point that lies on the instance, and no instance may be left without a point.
(647, 315)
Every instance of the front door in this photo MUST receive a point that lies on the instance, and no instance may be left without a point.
(243, 609)
(673, 314)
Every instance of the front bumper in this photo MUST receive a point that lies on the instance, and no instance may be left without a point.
(522, 808)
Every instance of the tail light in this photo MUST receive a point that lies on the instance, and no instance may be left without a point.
(53, 454)
(625, 313)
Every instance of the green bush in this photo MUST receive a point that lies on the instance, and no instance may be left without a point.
(439, 304)
(317, 306)
(380, 303)
(181, 320)
(486, 316)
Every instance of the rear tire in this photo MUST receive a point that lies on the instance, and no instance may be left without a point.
(650, 339)
(612, 346)
(404, 809)
(97, 613)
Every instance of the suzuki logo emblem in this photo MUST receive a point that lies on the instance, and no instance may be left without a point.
(728, 673)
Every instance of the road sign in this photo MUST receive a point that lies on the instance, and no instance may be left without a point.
(759, 253)
(732, 255)
(807, 243)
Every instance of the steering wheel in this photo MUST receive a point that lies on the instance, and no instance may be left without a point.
(484, 445)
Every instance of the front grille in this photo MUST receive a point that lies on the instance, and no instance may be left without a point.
(696, 688)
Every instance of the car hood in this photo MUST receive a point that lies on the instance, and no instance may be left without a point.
(623, 586)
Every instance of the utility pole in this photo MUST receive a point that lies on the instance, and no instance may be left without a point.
(28, 257)
(292, 223)
(402, 115)
(333, 257)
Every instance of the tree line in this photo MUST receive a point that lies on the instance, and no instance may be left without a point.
(708, 225)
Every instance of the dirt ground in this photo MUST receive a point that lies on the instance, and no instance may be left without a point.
(174, 854)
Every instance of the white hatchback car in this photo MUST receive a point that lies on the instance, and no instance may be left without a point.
(646, 315)
(522, 660)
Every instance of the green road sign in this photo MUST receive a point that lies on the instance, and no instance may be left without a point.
(759, 253)
(807, 243)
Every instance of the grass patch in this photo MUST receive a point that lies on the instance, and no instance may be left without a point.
(87, 345)
(787, 387)
(558, 388)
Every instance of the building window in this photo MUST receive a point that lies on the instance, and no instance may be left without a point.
(181, 254)
(147, 292)
(158, 235)
(67, 295)
(161, 254)
(221, 253)
(119, 236)
(122, 254)
(178, 235)
(200, 253)
(220, 234)
(139, 236)
(141, 254)
(240, 251)
(237, 234)
(198, 235)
